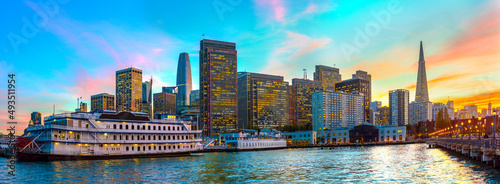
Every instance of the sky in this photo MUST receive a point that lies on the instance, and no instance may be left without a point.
(60, 50)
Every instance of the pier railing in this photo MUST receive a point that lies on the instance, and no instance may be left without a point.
(473, 142)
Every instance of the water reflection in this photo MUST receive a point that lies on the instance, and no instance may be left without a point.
(373, 164)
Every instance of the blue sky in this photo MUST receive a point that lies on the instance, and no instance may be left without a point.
(79, 45)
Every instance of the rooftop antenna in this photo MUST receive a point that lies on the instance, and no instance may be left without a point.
(305, 73)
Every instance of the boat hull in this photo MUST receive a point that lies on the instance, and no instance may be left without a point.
(34, 157)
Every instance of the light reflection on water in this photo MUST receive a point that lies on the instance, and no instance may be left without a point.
(374, 164)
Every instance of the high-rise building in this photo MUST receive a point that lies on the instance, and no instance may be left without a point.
(129, 90)
(218, 87)
(195, 99)
(422, 94)
(301, 100)
(171, 89)
(419, 112)
(102, 101)
(147, 96)
(164, 103)
(451, 109)
(36, 118)
(327, 76)
(447, 110)
(368, 94)
(184, 82)
(385, 115)
(398, 104)
(83, 107)
(359, 85)
(263, 101)
(374, 112)
(472, 110)
(336, 109)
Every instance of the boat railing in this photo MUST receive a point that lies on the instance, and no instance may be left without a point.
(104, 130)
(67, 115)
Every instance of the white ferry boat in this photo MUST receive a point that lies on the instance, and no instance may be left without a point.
(244, 140)
(80, 136)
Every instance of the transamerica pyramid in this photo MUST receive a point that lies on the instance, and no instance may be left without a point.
(422, 94)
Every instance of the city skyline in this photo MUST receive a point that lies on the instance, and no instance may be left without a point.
(451, 68)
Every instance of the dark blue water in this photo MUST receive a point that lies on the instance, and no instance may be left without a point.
(377, 164)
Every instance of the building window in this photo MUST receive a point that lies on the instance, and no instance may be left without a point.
(114, 126)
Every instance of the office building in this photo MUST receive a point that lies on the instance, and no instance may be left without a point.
(422, 94)
(164, 103)
(102, 101)
(359, 85)
(447, 110)
(82, 108)
(301, 101)
(147, 96)
(419, 112)
(184, 82)
(218, 87)
(171, 89)
(374, 112)
(336, 109)
(129, 90)
(262, 101)
(195, 99)
(327, 76)
(36, 118)
(398, 104)
(385, 115)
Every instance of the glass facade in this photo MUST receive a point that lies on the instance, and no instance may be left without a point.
(398, 104)
(336, 109)
(103, 101)
(327, 76)
(36, 118)
(129, 90)
(218, 87)
(301, 99)
(361, 86)
(263, 101)
(164, 103)
(184, 82)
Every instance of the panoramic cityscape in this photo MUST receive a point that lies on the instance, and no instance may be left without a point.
(252, 91)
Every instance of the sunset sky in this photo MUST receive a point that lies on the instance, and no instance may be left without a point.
(77, 46)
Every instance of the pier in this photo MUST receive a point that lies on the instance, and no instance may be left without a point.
(484, 150)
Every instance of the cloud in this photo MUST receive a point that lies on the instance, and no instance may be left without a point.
(273, 9)
(288, 56)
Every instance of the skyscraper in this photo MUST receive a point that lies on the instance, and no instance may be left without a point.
(336, 109)
(374, 112)
(398, 105)
(360, 85)
(102, 101)
(262, 101)
(129, 90)
(147, 96)
(184, 82)
(419, 112)
(301, 101)
(422, 94)
(195, 99)
(327, 76)
(368, 94)
(489, 109)
(218, 86)
(36, 118)
(164, 103)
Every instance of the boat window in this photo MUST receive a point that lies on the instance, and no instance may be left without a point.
(121, 127)
(154, 127)
(149, 127)
(164, 128)
(168, 127)
(126, 127)
(126, 148)
(114, 126)
(132, 127)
